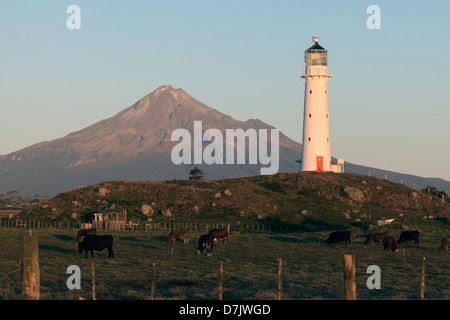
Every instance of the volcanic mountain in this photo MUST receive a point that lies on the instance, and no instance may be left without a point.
(135, 144)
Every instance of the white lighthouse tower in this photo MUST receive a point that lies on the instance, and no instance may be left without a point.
(316, 153)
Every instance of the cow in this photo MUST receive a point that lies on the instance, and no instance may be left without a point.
(219, 234)
(389, 244)
(375, 237)
(205, 241)
(445, 243)
(85, 232)
(341, 236)
(178, 235)
(97, 243)
(406, 236)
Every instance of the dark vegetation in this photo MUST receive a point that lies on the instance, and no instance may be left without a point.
(298, 199)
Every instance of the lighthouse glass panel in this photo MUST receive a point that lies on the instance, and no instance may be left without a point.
(316, 58)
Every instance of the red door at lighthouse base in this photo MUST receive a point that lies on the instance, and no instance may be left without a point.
(319, 164)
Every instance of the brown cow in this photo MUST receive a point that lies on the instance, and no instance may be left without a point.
(375, 237)
(219, 234)
(85, 232)
(178, 235)
(389, 244)
(445, 243)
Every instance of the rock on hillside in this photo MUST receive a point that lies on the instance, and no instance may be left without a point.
(300, 198)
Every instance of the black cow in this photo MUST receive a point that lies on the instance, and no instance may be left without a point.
(406, 236)
(97, 243)
(389, 244)
(341, 236)
(85, 232)
(375, 237)
(205, 241)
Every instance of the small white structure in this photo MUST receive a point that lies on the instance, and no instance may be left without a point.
(338, 167)
(316, 153)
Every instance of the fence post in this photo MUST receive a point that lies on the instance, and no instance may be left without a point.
(422, 279)
(349, 277)
(220, 279)
(93, 280)
(280, 267)
(30, 268)
(153, 280)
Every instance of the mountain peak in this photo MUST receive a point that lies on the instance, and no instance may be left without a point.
(164, 87)
(168, 91)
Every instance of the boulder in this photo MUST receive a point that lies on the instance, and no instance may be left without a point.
(146, 209)
(227, 192)
(354, 194)
(103, 192)
(346, 215)
(165, 213)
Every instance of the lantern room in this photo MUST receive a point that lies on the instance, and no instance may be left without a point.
(316, 55)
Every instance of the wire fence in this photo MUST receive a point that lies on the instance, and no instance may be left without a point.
(166, 226)
(417, 186)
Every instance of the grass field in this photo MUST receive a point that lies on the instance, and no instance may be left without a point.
(311, 268)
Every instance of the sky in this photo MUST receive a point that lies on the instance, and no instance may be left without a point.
(388, 98)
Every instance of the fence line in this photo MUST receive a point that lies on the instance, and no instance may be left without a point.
(407, 183)
(31, 274)
(164, 226)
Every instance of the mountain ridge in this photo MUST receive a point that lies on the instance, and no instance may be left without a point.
(135, 144)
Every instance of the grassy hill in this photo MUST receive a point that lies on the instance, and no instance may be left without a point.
(308, 199)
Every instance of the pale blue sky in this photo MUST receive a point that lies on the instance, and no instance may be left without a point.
(389, 101)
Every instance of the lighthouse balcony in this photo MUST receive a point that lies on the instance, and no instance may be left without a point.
(317, 71)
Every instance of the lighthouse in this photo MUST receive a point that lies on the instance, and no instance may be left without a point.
(316, 153)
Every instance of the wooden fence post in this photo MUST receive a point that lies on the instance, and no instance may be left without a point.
(349, 277)
(280, 267)
(153, 280)
(422, 279)
(30, 268)
(220, 279)
(93, 280)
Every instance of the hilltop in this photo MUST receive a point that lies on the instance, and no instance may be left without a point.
(308, 199)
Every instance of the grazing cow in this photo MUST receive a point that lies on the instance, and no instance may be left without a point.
(342, 236)
(445, 243)
(205, 241)
(389, 244)
(178, 235)
(85, 232)
(375, 237)
(406, 236)
(219, 234)
(97, 243)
